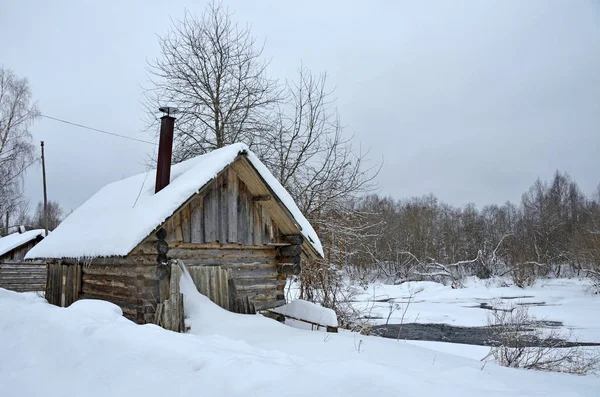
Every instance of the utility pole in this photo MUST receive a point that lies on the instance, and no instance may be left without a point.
(45, 196)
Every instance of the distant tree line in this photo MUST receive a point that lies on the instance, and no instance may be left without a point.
(555, 230)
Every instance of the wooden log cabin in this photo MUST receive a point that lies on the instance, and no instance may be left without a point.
(223, 214)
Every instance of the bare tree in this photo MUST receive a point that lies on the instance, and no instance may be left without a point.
(212, 70)
(55, 216)
(17, 113)
(317, 163)
(311, 156)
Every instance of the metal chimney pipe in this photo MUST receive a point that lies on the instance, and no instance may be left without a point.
(165, 149)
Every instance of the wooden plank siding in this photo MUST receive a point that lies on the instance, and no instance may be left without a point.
(223, 213)
(23, 276)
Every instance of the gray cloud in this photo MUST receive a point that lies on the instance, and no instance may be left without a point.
(470, 101)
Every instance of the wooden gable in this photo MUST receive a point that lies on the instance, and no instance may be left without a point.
(235, 207)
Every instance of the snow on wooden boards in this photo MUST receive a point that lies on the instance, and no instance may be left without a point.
(309, 312)
(23, 276)
(213, 282)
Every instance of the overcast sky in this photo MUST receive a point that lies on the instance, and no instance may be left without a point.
(471, 101)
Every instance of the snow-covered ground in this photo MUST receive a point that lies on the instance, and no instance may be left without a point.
(565, 300)
(90, 349)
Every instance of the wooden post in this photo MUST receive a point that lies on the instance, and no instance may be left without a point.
(45, 195)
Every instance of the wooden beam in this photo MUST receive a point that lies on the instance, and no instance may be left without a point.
(264, 197)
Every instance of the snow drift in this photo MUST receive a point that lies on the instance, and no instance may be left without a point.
(89, 349)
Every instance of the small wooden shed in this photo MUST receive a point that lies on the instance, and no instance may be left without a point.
(14, 246)
(223, 214)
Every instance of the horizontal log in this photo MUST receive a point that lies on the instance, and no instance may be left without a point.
(21, 275)
(228, 263)
(290, 250)
(294, 239)
(147, 247)
(109, 261)
(13, 280)
(253, 272)
(289, 269)
(10, 286)
(264, 197)
(20, 272)
(25, 288)
(21, 267)
(147, 272)
(294, 260)
(278, 244)
(256, 284)
(126, 306)
(124, 293)
(185, 253)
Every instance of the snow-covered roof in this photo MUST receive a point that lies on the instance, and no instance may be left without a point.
(119, 216)
(12, 241)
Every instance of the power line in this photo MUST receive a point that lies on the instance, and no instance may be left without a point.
(97, 130)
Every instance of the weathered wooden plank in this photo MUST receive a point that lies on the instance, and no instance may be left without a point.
(258, 187)
(242, 216)
(232, 206)
(186, 224)
(197, 220)
(49, 295)
(222, 208)
(265, 226)
(63, 285)
(69, 286)
(257, 224)
(210, 216)
(76, 282)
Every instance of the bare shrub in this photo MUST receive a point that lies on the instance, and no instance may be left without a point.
(594, 276)
(523, 344)
(524, 274)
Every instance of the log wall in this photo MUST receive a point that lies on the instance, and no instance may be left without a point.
(23, 276)
(253, 269)
(130, 285)
(253, 280)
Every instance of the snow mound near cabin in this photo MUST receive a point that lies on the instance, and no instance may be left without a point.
(308, 311)
(44, 348)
